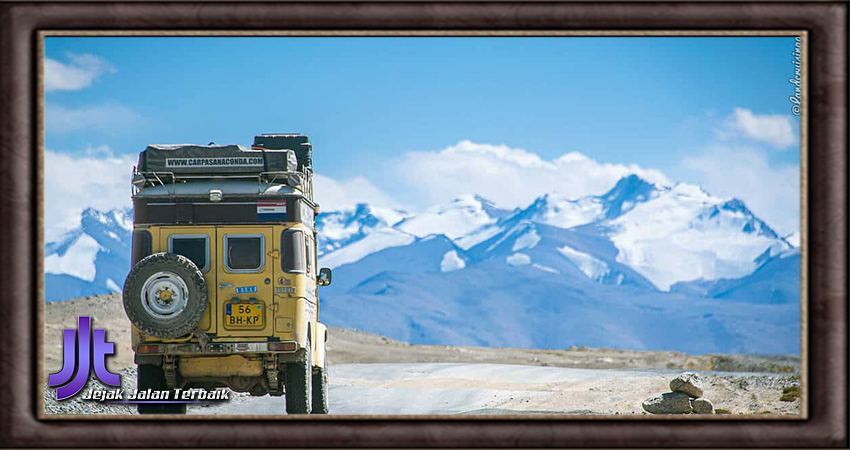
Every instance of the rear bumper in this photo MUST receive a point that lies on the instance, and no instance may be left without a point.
(215, 348)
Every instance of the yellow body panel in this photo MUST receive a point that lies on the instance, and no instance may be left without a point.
(230, 281)
(290, 301)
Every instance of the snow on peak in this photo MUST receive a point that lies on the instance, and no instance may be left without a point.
(545, 268)
(77, 259)
(518, 259)
(451, 262)
(529, 239)
(625, 194)
(592, 267)
(112, 285)
(120, 219)
(373, 242)
(342, 227)
(683, 234)
(793, 239)
(563, 212)
(458, 218)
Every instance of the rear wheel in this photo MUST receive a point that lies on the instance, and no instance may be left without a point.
(298, 384)
(149, 376)
(320, 389)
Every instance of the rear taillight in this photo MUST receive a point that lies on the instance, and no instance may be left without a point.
(282, 346)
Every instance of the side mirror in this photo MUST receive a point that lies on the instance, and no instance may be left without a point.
(325, 276)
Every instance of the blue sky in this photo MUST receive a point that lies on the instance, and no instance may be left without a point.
(687, 108)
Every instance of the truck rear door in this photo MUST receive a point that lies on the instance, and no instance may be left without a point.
(244, 276)
(199, 245)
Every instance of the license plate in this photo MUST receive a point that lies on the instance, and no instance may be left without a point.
(244, 315)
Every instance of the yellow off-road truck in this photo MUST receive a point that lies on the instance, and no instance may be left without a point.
(223, 288)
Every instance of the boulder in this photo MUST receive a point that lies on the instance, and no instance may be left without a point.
(669, 403)
(702, 406)
(688, 382)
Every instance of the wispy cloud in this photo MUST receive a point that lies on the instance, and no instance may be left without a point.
(74, 183)
(110, 117)
(771, 191)
(510, 177)
(78, 73)
(776, 130)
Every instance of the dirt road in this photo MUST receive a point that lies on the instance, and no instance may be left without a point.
(440, 388)
(372, 374)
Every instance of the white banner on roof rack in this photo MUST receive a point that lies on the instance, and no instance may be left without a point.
(214, 162)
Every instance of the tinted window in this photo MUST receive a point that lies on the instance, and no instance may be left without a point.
(244, 253)
(293, 260)
(194, 248)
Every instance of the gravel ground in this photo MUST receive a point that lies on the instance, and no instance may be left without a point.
(75, 405)
(738, 393)
(483, 389)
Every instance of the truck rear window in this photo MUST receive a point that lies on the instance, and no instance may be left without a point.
(244, 253)
(196, 247)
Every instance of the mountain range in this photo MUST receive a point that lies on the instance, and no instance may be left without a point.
(639, 267)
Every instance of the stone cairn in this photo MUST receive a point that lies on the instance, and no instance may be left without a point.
(685, 397)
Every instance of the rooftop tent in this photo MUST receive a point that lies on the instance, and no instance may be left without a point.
(214, 159)
(298, 143)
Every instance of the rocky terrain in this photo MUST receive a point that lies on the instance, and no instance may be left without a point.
(593, 381)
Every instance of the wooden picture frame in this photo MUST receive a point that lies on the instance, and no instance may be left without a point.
(824, 25)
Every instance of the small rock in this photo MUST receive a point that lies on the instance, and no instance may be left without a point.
(669, 403)
(702, 406)
(688, 382)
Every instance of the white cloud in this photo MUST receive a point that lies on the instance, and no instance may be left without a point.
(510, 177)
(109, 117)
(74, 183)
(771, 192)
(336, 195)
(776, 130)
(79, 73)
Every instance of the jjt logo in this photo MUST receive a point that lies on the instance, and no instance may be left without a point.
(83, 366)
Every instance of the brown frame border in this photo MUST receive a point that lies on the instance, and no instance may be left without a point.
(801, 34)
(826, 24)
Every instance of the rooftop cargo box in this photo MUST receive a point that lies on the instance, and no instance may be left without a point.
(214, 159)
(298, 143)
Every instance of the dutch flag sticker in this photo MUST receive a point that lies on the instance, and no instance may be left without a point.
(271, 210)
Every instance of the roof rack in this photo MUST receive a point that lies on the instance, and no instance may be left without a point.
(302, 181)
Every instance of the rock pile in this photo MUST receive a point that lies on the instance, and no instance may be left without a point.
(685, 397)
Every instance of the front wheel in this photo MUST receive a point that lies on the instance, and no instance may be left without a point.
(320, 389)
(298, 384)
(150, 376)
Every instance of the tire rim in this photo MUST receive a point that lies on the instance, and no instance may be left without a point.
(164, 295)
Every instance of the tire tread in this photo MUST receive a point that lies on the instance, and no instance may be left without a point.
(195, 281)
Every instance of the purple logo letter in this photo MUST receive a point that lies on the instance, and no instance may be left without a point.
(101, 349)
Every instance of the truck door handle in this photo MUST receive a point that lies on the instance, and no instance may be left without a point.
(221, 286)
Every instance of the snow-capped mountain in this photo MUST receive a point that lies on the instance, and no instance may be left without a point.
(455, 220)
(92, 259)
(611, 260)
(641, 266)
(343, 227)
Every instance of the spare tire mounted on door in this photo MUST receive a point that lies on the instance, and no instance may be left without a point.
(165, 295)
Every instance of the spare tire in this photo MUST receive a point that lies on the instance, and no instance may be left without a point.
(165, 295)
